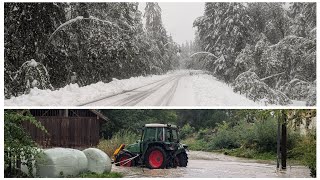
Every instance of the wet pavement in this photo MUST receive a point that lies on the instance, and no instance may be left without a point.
(215, 165)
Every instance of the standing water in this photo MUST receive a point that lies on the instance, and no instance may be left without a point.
(215, 165)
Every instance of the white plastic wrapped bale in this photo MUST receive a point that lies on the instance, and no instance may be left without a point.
(98, 161)
(61, 162)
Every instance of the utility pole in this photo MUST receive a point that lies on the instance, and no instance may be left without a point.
(278, 144)
(284, 141)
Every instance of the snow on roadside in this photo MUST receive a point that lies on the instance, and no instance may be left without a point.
(197, 88)
(211, 92)
(73, 95)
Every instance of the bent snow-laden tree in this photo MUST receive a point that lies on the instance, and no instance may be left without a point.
(274, 42)
(224, 30)
(95, 41)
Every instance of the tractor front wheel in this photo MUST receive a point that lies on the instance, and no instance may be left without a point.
(123, 160)
(156, 158)
(182, 159)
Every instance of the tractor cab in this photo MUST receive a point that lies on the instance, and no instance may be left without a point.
(158, 147)
(160, 132)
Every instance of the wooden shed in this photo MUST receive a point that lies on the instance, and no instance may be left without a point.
(73, 128)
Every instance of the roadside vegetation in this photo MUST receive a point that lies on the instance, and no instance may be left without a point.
(121, 137)
(89, 174)
(104, 175)
(256, 140)
(241, 133)
(18, 143)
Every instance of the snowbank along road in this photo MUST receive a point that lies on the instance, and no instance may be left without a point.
(176, 88)
(213, 165)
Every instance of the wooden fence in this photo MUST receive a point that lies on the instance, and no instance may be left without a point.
(72, 132)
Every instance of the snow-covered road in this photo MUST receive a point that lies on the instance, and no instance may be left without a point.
(164, 92)
(182, 89)
(177, 88)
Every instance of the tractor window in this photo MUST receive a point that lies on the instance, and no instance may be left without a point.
(160, 134)
(171, 135)
(168, 135)
(174, 135)
(150, 134)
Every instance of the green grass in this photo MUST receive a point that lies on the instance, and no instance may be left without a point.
(104, 175)
(251, 154)
(195, 145)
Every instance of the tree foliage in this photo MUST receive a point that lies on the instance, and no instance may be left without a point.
(17, 142)
(274, 41)
(95, 41)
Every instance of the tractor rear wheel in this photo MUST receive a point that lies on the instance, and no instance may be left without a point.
(182, 159)
(156, 158)
(122, 158)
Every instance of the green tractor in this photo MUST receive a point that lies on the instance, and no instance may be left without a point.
(159, 147)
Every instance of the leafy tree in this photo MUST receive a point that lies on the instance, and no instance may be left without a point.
(307, 151)
(132, 120)
(17, 142)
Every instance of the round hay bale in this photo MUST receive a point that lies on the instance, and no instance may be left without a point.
(98, 161)
(61, 162)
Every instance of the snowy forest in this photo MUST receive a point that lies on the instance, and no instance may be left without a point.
(266, 51)
(50, 45)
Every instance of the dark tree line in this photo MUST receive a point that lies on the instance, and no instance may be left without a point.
(91, 41)
(198, 119)
(265, 50)
(133, 119)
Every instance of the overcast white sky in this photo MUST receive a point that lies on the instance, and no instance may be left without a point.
(178, 18)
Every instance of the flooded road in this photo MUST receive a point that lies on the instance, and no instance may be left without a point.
(215, 165)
